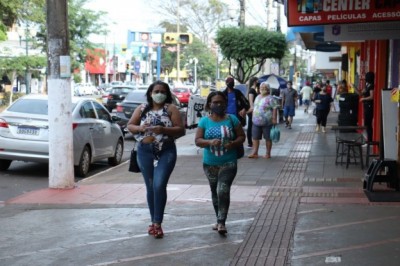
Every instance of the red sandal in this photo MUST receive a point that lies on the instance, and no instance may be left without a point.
(157, 231)
(150, 229)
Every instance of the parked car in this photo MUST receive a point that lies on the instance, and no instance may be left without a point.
(135, 98)
(116, 95)
(24, 133)
(183, 94)
(104, 95)
(82, 89)
(116, 83)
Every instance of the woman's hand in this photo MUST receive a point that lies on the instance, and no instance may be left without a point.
(215, 142)
(155, 129)
(229, 145)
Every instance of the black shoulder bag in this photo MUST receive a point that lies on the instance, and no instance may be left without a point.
(240, 149)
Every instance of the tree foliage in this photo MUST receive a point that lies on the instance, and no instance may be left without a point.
(82, 23)
(200, 17)
(8, 16)
(248, 48)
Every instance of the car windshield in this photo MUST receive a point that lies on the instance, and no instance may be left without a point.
(30, 106)
(136, 97)
(120, 90)
(181, 90)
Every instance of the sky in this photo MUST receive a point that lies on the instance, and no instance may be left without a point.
(136, 14)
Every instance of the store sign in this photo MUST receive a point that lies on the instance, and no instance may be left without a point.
(362, 31)
(318, 12)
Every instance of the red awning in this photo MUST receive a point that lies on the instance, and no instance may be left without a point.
(95, 63)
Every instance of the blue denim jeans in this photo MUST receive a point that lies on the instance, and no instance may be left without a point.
(156, 177)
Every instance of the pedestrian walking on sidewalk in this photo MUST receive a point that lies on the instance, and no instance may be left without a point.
(155, 125)
(251, 96)
(264, 117)
(289, 104)
(306, 93)
(323, 103)
(237, 102)
(220, 134)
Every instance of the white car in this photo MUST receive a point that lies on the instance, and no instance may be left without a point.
(24, 133)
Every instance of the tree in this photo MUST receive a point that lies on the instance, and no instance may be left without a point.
(248, 48)
(206, 66)
(200, 17)
(8, 16)
(82, 23)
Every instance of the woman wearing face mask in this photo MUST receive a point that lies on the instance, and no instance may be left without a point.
(155, 125)
(219, 134)
(264, 116)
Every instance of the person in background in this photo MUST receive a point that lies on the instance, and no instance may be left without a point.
(306, 93)
(237, 102)
(328, 87)
(264, 117)
(367, 98)
(317, 89)
(343, 87)
(155, 125)
(252, 93)
(289, 103)
(219, 134)
(323, 103)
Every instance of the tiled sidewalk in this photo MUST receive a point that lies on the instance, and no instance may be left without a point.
(117, 194)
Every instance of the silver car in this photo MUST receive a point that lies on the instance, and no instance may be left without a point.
(24, 133)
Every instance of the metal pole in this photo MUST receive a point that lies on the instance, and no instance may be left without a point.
(106, 60)
(27, 90)
(158, 61)
(178, 47)
(195, 71)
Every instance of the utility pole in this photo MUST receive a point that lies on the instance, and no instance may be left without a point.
(242, 13)
(61, 170)
(106, 60)
(27, 89)
(178, 47)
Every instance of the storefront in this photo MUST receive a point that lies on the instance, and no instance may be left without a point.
(365, 31)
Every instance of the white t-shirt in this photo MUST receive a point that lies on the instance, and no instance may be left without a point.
(306, 92)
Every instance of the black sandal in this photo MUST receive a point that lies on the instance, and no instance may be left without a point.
(222, 229)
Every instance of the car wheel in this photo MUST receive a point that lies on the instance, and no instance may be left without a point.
(4, 164)
(119, 150)
(84, 163)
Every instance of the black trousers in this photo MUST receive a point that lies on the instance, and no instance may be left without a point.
(368, 116)
(249, 127)
(322, 117)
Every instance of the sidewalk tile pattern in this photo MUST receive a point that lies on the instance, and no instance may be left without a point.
(268, 239)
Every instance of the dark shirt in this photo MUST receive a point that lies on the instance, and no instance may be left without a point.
(253, 92)
(325, 103)
(367, 92)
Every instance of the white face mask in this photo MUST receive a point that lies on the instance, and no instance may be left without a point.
(159, 97)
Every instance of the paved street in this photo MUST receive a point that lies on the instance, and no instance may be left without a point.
(298, 208)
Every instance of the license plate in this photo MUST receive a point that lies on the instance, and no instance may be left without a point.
(28, 131)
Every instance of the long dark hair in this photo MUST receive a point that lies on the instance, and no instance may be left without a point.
(150, 91)
(209, 98)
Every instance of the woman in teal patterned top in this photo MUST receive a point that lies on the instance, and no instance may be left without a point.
(219, 134)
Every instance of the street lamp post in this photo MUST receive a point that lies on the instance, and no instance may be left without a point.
(194, 61)
(26, 40)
